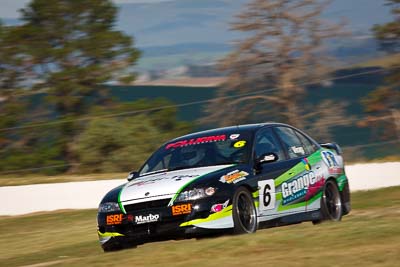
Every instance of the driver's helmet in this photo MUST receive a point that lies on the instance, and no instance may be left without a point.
(192, 155)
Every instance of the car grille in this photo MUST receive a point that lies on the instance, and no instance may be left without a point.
(147, 205)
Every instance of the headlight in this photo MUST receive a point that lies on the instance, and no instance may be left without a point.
(109, 207)
(195, 193)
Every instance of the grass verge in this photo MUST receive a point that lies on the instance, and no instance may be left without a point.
(369, 236)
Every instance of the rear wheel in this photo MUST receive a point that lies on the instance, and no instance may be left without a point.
(244, 212)
(331, 202)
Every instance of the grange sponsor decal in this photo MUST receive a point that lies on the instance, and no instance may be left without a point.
(114, 219)
(181, 209)
(139, 219)
(315, 188)
(297, 188)
(233, 177)
(196, 141)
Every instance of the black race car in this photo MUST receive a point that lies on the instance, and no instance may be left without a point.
(235, 179)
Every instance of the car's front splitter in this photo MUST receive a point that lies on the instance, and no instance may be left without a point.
(219, 220)
(200, 221)
(106, 236)
(108, 239)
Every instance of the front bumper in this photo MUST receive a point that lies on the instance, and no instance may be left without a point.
(139, 226)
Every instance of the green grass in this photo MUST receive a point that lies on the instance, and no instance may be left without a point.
(369, 236)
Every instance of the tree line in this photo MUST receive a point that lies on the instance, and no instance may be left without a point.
(71, 50)
(283, 54)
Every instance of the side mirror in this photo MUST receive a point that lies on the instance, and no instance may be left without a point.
(266, 158)
(132, 175)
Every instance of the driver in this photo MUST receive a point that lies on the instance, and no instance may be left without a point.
(192, 155)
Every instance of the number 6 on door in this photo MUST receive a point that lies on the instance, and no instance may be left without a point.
(267, 194)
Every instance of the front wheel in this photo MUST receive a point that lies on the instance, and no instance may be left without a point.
(116, 245)
(244, 212)
(331, 202)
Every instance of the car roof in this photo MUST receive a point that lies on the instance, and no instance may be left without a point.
(243, 127)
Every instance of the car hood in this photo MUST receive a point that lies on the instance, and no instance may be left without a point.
(162, 185)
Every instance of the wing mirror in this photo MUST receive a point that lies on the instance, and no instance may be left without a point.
(132, 175)
(266, 158)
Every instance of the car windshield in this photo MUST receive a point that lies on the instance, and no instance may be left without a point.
(200, 151)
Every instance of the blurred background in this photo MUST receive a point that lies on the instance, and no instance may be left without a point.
(90, 88)
(96, 86)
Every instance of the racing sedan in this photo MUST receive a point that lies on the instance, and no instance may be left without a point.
(229, 180)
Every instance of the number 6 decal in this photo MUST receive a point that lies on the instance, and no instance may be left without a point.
(267, 194)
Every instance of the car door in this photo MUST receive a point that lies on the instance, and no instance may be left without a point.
(267, 142)
(292, 186)
(314, 190)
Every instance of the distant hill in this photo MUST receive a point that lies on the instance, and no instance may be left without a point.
(207, 21)
(189, 32)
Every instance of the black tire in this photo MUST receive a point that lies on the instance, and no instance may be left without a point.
(112, 245)
(244, 212)
(316, 222)
(331, 202)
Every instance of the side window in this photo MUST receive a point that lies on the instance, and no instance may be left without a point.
(267, 142)
(291, 143)
(308, 145)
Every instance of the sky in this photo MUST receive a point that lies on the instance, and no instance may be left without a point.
(9, 8)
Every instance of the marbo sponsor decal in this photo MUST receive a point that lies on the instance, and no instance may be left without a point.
(139, 219)
(297, 188)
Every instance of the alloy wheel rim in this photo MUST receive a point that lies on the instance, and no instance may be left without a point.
(332, 201)
(246, 212)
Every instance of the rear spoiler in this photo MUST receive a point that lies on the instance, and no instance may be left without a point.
(333, 146)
